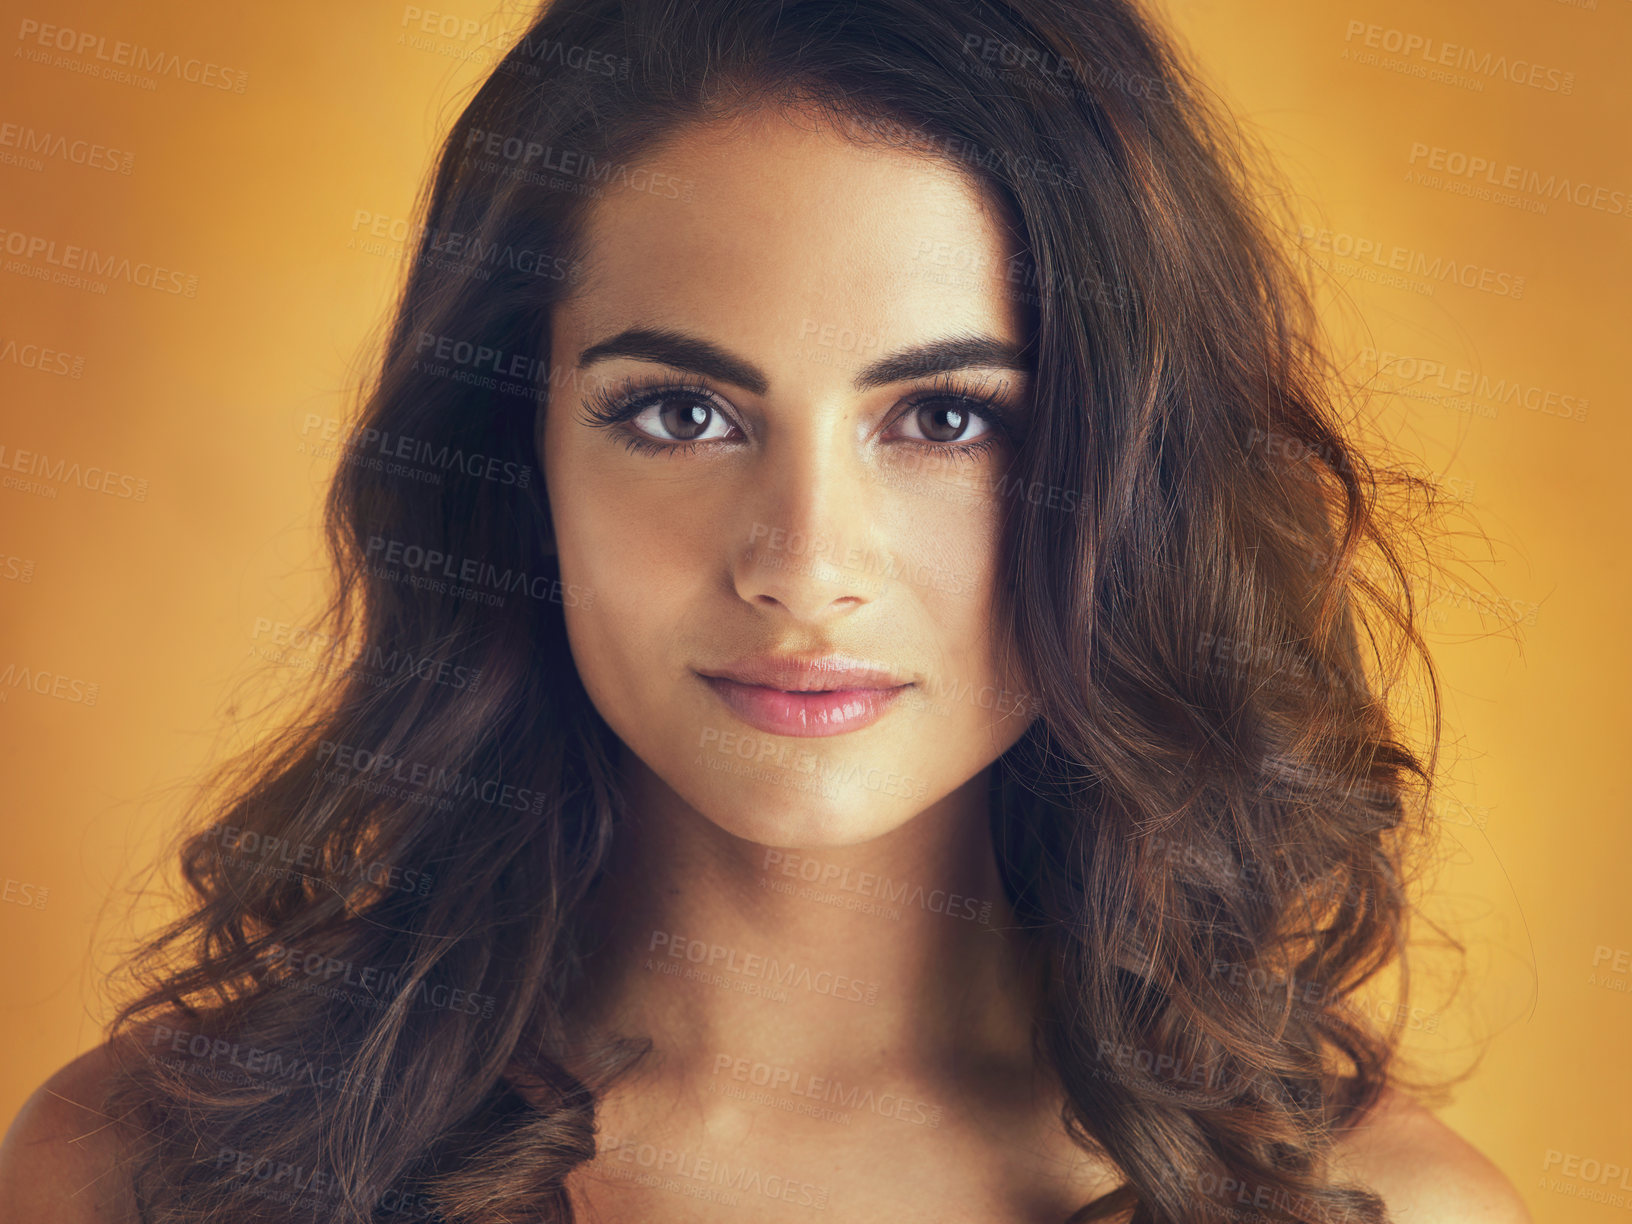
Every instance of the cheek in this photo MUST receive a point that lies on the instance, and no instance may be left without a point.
(597, 519)
(620, 642)
(979, 643)
(637, 558)
(952, 571)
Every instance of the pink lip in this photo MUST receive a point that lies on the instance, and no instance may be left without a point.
(806, 697)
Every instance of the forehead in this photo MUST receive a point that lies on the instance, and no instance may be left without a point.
(778, 227)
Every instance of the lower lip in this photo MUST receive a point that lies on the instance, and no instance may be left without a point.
(777, 712)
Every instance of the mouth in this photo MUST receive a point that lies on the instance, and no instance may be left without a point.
(806, 697)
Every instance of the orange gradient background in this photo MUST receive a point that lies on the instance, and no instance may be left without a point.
(1516, 401)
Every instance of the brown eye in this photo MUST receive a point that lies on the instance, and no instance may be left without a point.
(681, 417)
(685, 420)
(944, 420)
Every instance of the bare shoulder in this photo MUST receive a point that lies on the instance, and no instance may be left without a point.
(63, 1159)
(1424, 1170)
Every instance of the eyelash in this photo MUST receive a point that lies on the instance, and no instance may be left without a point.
(609, 407)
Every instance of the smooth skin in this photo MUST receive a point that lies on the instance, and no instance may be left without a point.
(795, 233)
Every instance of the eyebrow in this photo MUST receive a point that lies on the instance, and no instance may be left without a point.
(699, 356)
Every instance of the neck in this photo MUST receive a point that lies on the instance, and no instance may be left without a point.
(892, 960)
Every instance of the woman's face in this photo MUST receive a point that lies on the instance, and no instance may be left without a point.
(819, 488)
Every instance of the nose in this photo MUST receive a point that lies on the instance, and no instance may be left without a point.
(809, 543)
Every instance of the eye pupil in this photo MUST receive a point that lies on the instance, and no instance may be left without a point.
(686, 419)
(948, 432)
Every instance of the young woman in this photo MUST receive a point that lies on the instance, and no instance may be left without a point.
(844, 692)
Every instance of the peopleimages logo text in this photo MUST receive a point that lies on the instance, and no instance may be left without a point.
(383, 767)
(134, 56)
(71, 257)
(472, 572)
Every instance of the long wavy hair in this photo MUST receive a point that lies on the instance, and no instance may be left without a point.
(1206, 834)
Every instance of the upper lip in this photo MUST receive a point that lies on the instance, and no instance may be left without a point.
(808, 673)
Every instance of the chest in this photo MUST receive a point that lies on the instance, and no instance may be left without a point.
(814, 1166)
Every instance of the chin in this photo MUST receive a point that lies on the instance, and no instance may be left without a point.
(801, 812)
